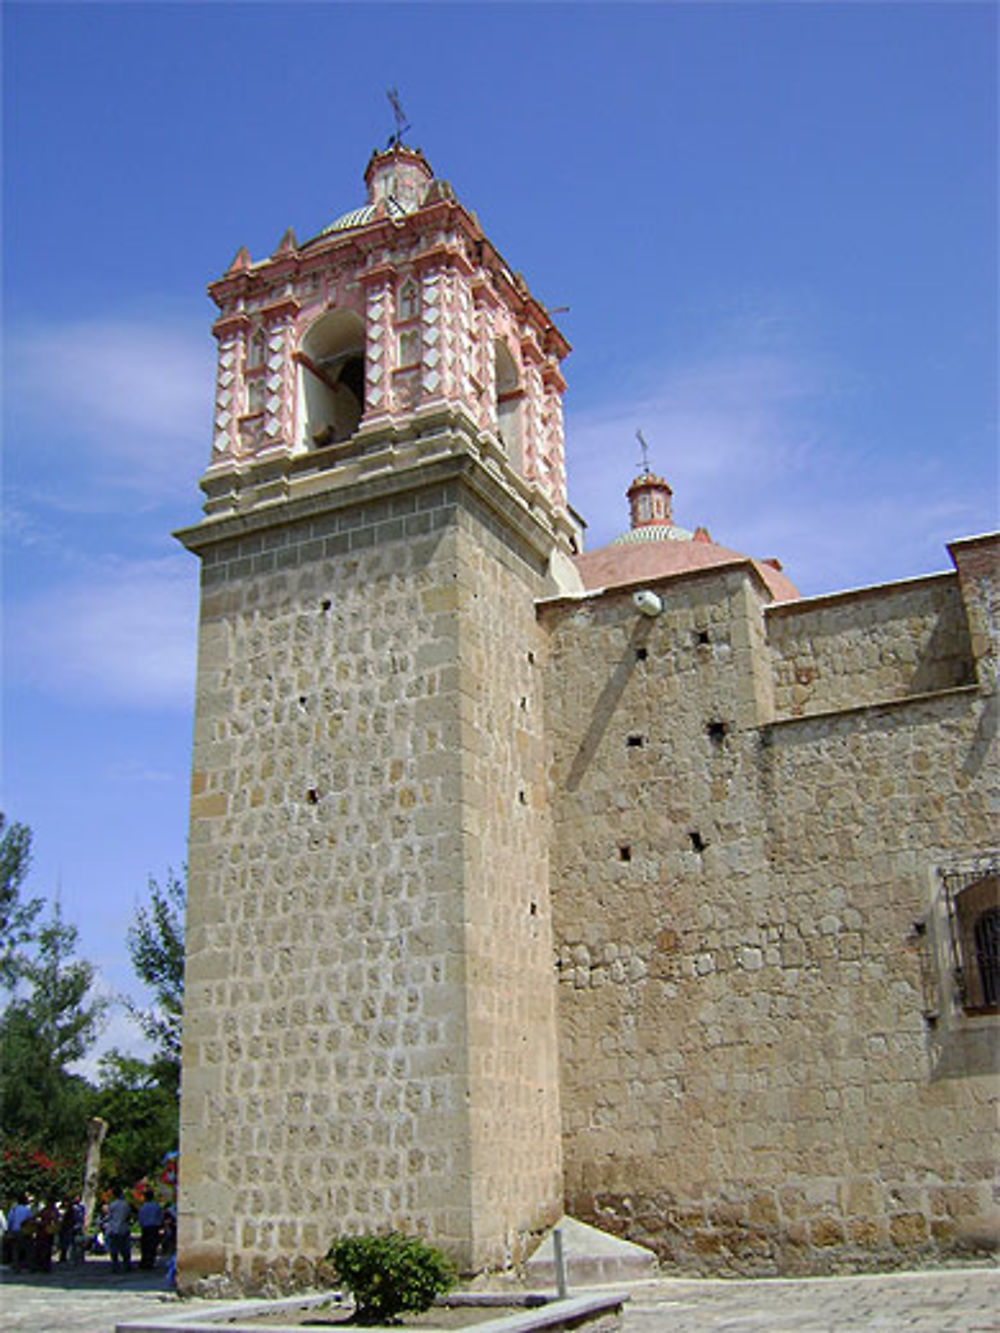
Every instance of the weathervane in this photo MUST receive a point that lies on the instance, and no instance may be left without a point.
(645, 452)
(402, 124)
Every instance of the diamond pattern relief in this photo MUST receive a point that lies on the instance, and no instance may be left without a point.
(375, 374)
(375, 351)
(432, 335)
(432, 356)
(431, 380)
(274, 383)
(223, 419)
(227, 358)
(276, 341)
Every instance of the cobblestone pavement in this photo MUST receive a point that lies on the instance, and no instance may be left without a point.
(943, 1301)
(93, 1300)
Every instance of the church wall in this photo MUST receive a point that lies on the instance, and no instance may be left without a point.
(865, 646)
(750, 1083)
(513, 1059)
(324, 973)
(370, 1040)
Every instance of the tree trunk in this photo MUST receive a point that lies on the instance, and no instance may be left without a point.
(96, 1130)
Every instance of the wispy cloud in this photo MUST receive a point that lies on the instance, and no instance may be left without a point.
(757, 444)
(121, 404)
(123, 632)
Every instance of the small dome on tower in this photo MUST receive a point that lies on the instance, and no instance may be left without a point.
(398, 181)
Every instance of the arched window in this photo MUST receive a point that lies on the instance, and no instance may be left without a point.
(257, 350)
(332, 376)
(510, 397)
(408, 303)
(409, 347)
(256, 396)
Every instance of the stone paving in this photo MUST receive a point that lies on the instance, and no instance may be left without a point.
(93, 1300)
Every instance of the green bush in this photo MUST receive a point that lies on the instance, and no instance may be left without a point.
(390, 1275)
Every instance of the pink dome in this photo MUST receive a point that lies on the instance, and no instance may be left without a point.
(656, 550)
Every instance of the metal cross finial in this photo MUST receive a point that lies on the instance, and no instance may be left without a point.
(402, 124)
(645, 451)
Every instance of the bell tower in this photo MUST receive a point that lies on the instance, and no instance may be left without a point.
(370, 1030)
(398, 316)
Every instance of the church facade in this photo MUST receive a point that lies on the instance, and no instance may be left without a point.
(524, 878)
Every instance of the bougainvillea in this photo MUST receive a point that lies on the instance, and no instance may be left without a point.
(24, 1167)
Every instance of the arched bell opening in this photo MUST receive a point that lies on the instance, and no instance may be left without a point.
(332, 377)
(510, 398)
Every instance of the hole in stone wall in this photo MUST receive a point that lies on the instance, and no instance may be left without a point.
(522, 797)
(533, 909)
(635, 742)
(531, 657)
(641, 654)
(716, 732)
(698, 843)
(325, 604)
(303, 700)
(702, 636)
(624, 852)
(312, 796)
(524, 705)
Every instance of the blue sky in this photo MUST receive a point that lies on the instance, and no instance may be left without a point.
(774, 226)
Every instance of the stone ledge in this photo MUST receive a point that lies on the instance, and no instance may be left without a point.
(875, 706)
(553, 1315)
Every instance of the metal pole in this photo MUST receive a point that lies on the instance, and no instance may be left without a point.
(560, 1263)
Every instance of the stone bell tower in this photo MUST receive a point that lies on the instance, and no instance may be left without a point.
(370, 1030)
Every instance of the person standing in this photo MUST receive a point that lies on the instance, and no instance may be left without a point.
(19, 1225)
(119, 1232)
(46, 1226)
(151, 1221)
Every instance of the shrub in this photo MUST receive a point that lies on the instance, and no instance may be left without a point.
(390, 1275)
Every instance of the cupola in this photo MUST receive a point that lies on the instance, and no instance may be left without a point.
(650, 501)
(400, 173)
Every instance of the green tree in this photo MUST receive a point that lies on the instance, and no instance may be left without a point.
(141, 1110)
(156, 948)
(42, 1033)
(17, 918)
(139, 1098)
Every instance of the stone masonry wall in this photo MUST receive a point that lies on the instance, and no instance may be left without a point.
(330, 1030)
(868, 646)
(516, 1154)
(748, 1080)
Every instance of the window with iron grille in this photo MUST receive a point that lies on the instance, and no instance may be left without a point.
(972, 902)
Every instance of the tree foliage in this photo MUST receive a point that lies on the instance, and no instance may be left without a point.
(17, 918)
(140, 1106)
(139, 1098)
(156, 948)
(24, 1168)
(51, 1019)
(389, 1275)
(42, 1032)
